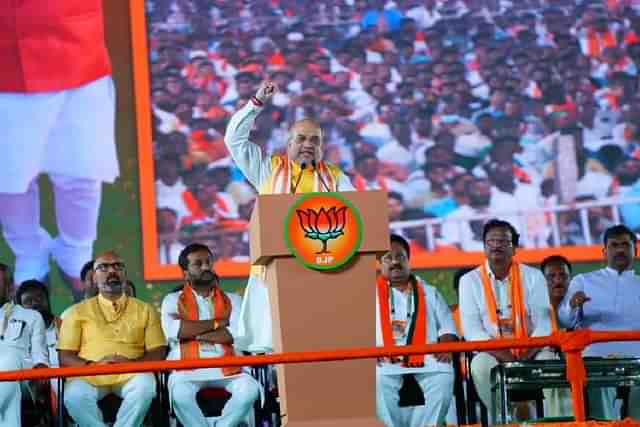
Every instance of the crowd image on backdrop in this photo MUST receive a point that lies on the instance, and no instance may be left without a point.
(461, 110)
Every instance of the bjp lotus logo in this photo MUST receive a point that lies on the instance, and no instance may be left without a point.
(325, 231)
(323, 225)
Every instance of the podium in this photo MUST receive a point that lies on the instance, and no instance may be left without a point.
(314, 310)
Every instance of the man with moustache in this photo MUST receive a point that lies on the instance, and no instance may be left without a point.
(34, 295)
(502, 299)
(411, 391)
(198, 322)
(557, 272)
(607, 300)
(300, 170)
(110, 328)
(22, 346)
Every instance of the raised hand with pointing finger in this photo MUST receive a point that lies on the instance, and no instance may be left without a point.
(266, 90)
(578, 299)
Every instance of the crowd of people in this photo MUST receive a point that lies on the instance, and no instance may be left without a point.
(499, 299)
(461, 110)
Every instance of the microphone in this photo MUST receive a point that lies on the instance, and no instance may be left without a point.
(303, 166)
(324, 184)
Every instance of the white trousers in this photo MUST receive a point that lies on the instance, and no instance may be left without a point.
(10, 391)
(69, 135)
(557, 401)
(244, 392)
(602, 403)
(255, 326)
(81, 400)
(438, 393)
(77, 204)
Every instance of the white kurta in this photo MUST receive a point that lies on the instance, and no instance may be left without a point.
(615, 299)
(184, 385)
(475, 317)
(614, 305)
(171, 328)
(22, 345)
(435, 378)
(254, 332)
(473, 307)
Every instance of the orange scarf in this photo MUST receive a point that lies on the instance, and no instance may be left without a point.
(518, 311)
(281, 177)
(418, 327)
(188, 310)
(554, 319)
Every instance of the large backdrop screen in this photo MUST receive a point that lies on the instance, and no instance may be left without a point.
(461, 110)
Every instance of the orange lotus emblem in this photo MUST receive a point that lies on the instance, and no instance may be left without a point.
(323, 225)
(326, 218)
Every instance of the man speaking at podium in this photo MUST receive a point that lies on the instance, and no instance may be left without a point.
(300, 170)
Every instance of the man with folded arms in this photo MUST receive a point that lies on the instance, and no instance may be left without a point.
(607, 300)
(502, 299)
(110, 328)
(300, 170)
(199, 321)
(412, 391)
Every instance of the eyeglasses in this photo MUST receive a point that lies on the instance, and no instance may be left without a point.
(388, 258)
(104, 267)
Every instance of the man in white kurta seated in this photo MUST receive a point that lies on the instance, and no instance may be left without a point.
(300, 170)
(502, 299)
(22, 346)
(198, 322)
(34, 295)
(607, 300)
(411, 391)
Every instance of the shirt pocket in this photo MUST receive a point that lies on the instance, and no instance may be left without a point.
(14, 330)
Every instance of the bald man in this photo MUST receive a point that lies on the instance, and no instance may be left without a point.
(300, 170)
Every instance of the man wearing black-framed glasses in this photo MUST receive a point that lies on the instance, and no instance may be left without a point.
(502, 299)
(411, 391)
(110, 328)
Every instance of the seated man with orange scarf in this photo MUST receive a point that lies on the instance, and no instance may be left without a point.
(502, 299)
(300, 170)
(411, 391)
(198, 322)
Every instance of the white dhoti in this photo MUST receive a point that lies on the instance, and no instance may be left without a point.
(81, 400)
(255, 326)
(69, 135)
(483, 363)
(557, 401)
(183, 388)
(438, 392)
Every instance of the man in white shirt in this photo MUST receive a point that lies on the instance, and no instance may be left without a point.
(411, 391)
(502, 299)
(607, 300)
(300, 170)
(34, 295)
(199, 322)
(22, 346)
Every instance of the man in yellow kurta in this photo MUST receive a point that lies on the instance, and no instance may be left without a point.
(110, 328)
(300, 170)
